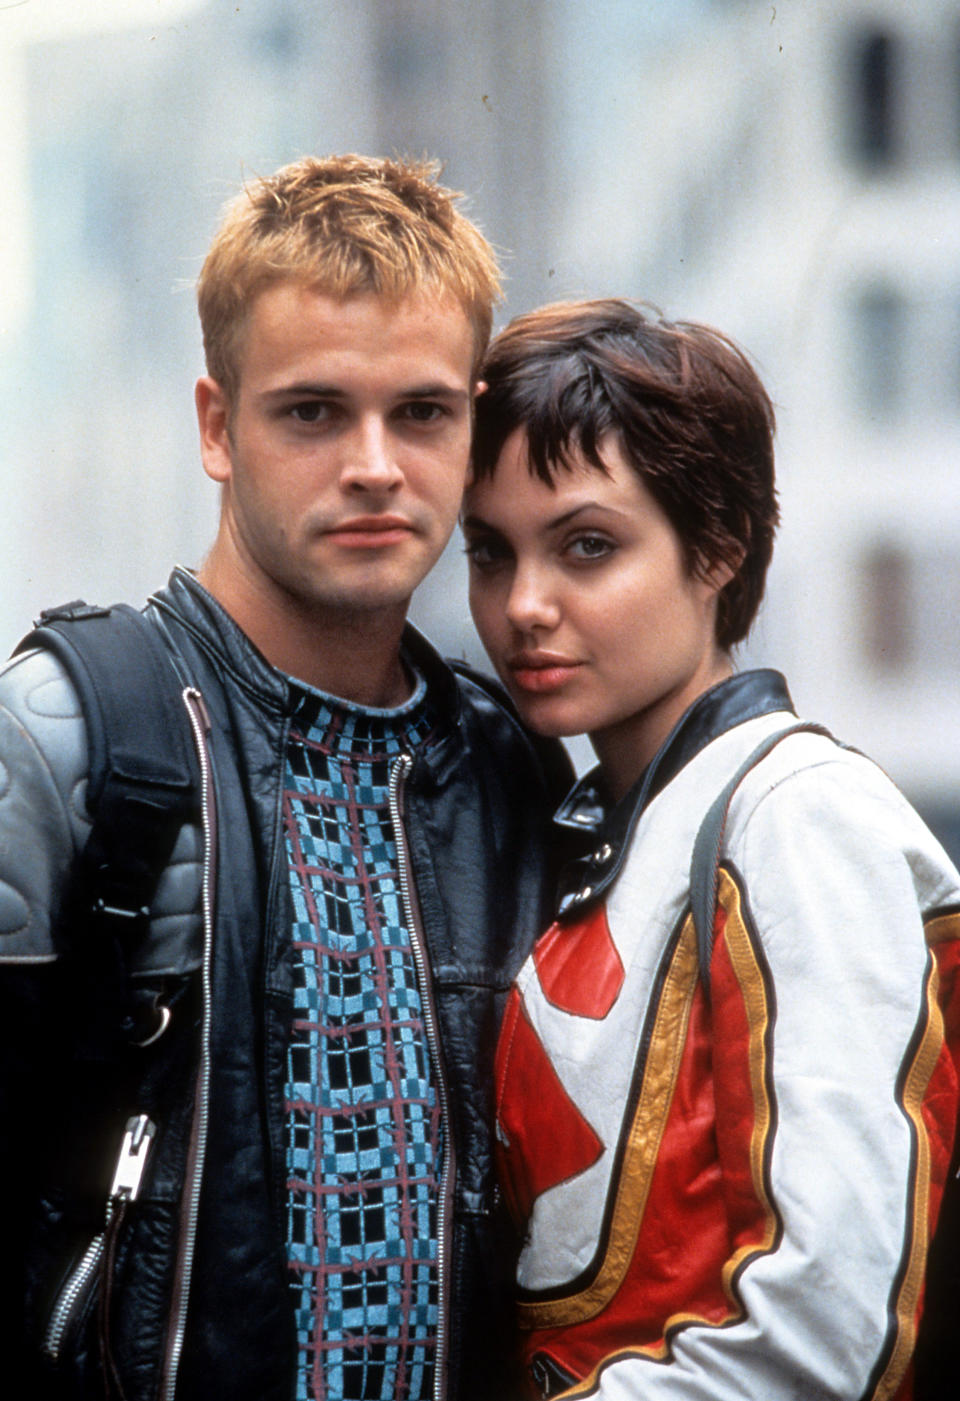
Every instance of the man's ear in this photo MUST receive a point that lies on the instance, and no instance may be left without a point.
(213, 417)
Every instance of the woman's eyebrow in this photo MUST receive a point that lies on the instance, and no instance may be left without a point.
(474, 522)
(575, 511)
(477, 523)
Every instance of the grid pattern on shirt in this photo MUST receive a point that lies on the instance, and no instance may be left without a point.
(362, 1116)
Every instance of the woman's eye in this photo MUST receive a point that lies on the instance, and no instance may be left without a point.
(591, 547)
(484, 553)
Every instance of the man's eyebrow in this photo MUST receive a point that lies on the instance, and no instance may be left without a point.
(309, 387)
(319, 390)
(433, 391)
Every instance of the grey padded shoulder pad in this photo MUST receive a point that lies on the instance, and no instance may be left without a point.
(44, 823)
(43, 816)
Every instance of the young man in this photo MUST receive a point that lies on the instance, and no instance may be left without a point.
(329, 947)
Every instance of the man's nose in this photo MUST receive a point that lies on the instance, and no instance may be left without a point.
(369, 458)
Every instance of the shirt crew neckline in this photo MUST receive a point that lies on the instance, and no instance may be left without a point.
(303, 689)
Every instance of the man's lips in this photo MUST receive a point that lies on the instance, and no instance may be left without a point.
(371, 532)
(541, 672)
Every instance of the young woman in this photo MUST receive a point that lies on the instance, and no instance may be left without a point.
(725, 1175)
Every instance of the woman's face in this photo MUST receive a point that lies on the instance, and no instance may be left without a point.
(582, 598)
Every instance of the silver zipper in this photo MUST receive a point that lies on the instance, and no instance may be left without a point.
(200, 725)
(74, 1289)
(128, 1174)
(398, 773)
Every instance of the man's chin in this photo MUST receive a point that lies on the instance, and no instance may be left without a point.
(368, 599)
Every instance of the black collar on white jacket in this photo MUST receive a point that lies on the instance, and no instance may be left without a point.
(587, 809)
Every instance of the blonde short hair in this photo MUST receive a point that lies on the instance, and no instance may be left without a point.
(342, 225)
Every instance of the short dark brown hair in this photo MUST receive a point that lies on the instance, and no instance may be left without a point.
(687, 408)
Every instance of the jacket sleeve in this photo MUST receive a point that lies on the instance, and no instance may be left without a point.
(42, 823)
(43, 819)
(833, 996)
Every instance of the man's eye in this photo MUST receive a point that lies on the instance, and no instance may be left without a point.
(421, 411)
(310, 411)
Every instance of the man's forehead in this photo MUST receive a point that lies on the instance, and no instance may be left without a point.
(298, 333)
(414, 302)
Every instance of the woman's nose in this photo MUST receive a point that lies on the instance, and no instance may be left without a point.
(531, 603)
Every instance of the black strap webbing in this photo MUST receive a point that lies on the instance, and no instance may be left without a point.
(142, 782)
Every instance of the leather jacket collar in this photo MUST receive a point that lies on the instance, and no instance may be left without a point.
(196, 609)
(587, 809)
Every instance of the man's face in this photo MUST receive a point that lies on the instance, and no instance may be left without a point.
(344, 455)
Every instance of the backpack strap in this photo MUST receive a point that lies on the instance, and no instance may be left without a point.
(142, 784)
(705, 862)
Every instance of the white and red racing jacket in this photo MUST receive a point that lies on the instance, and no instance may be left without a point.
(729, 1197)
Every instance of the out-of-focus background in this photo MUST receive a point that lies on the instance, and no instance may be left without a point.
(789, 172)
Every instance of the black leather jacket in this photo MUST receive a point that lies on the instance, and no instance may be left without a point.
(198, 1301)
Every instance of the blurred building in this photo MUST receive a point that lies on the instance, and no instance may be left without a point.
(790, 172)
(132, 139)
(815, 216)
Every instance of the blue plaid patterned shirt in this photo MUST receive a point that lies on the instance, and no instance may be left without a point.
(363, 1134)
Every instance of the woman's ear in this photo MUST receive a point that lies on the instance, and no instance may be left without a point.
(718, 574)
(723, 571)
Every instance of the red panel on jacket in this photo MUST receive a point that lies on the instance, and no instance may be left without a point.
(542, 1113)
(579, 967)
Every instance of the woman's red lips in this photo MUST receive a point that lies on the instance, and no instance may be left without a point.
(540, 672)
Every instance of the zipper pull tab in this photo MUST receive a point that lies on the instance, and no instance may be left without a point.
(195, 698)
(132, 1159)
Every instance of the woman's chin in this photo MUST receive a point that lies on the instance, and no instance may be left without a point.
(545, 719)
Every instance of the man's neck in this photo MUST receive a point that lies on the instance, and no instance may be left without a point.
(356, 660)
(351, 654)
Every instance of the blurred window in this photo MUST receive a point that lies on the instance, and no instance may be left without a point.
(886, 583)
(909, 597)
(873, 82)
(410, 49)
(879, 331)
(277, 39)
(936, 592)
